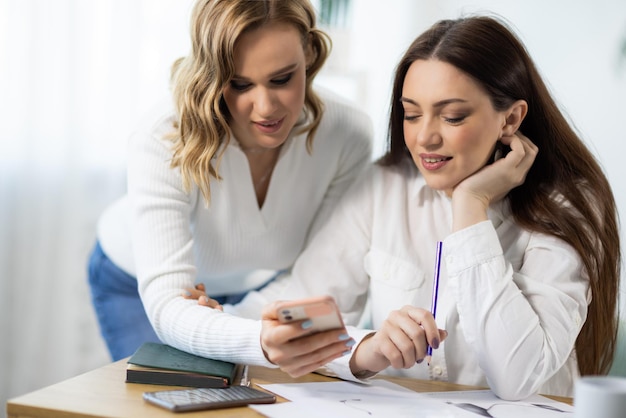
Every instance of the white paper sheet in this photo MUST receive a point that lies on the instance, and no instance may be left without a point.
(485, 403)
(384, 399)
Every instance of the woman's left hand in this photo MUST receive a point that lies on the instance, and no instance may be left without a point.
(199, 293)
(471, 197)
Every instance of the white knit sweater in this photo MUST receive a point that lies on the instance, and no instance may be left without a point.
(170, 239)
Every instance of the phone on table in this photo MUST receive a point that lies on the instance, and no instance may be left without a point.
(321, 310)
(183, 400)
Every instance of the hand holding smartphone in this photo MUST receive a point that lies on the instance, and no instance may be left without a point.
(322, 311)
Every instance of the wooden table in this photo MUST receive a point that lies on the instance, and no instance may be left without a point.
(103, 393)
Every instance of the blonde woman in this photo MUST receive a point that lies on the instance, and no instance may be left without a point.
(226, 187)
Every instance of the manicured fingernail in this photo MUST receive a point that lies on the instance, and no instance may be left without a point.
(419, 360)
(435, 343)
(187, 293)
(350, 343)
(344, 337)
(346, 353)
(307, 324)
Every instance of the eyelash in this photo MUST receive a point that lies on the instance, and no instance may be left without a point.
(239, 86)
(452, 121)
(281, 81)
(455, 121)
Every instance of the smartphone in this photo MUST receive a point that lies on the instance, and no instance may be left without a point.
(183, 400)
(321, 310)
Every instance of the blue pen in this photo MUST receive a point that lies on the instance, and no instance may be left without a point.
(433, 304)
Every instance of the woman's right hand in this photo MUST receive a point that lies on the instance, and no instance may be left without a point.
(472, 196)
(401, 342)
(294, 349)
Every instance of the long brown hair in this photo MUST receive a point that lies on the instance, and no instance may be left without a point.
(565, 171)
(199, 79)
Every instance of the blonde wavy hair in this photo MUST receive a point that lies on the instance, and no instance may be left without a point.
(199, 79)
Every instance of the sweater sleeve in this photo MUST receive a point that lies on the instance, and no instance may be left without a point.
(165, 266)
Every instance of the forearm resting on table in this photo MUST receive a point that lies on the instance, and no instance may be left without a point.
(363, 363)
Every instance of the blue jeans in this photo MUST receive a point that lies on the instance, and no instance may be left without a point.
(121, 315)
(124, 324)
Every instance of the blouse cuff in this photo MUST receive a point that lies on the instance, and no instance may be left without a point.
(341, 367)
(471, 246)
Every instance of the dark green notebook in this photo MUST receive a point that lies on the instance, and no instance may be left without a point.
(161, 364)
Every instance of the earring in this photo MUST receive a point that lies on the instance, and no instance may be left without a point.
(498, 153)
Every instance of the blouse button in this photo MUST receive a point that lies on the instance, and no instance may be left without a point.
(577, 319)
(437, 370)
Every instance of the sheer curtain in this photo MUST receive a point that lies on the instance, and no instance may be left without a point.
(74, 78)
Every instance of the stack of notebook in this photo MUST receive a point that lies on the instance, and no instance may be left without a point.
(161, 364)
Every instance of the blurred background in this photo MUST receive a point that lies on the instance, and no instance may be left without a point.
(76, 75)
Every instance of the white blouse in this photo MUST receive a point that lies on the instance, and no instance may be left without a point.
(512, 301)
